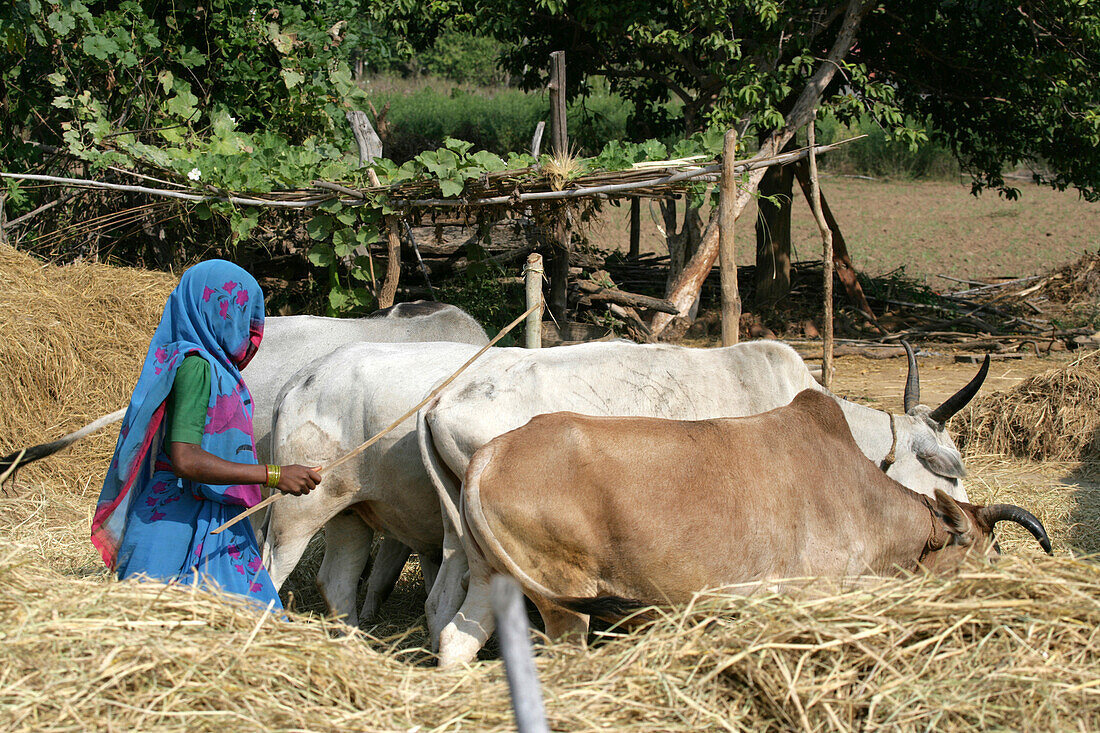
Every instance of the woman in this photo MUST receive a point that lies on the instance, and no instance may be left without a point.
(185, 459)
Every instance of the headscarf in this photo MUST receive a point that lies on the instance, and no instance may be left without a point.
(216, 312)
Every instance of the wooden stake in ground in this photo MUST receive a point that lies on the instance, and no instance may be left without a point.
(842, 259)
(727, 255)
(532, 275)
(827, 257)
(379, 435)
(370, 147)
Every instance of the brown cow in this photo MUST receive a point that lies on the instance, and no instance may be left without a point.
(588, 511)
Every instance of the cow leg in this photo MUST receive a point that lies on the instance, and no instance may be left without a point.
(429, 568)
(294, 521)
(463, 637)
(387, 567)
(347, 550)
(447, 593)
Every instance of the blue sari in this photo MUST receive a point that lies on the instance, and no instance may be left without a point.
(152, 523)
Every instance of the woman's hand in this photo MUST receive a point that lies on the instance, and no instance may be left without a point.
(192, 462)
(298, 480)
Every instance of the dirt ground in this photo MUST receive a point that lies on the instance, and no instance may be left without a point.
(879, 382)
(928, 227)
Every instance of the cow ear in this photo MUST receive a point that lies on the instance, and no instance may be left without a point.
(941, 461)
(954, 518)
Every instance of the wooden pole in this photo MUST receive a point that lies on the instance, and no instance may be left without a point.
(536, 139)
(827, 257)
(559, 148)
(727, 254)
(3, 219)
(370, 147)
(533, 283)
(635, 226)
(515, 648)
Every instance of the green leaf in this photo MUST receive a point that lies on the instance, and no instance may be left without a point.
(450, 188)
(99, 46)
(291, 78)
(320, 226)
(322, 255)
(60, 22)
(343, 242)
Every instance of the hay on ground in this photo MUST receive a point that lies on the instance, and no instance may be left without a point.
(1016, 646)
(1052, 416)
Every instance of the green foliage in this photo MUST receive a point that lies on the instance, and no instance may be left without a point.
(501, 121)
(464, 58)
(884, 154)
(479, 291)
(1001, 83)
(897, 285)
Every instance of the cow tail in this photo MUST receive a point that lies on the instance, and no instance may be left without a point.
(433, 466)
(481, 535)
(610, 608)
(22, 457)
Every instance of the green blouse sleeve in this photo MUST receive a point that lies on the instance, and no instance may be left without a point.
(188, 402)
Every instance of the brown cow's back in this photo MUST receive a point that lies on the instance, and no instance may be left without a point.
(658, 509)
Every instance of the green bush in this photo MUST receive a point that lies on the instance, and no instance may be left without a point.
(881, 155)
(501, 122)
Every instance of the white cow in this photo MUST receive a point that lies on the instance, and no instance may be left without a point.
(505, 392)
(342, 400)
(291, 342)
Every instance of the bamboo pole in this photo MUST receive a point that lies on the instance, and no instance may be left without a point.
(727, 254)
(827, 264)
(635, 226)
(532, 274)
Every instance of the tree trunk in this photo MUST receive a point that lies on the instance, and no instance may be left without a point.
(773, 236)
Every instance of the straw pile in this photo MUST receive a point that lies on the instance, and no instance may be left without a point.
(1012, 647)
(73, 339)
(1052, 416)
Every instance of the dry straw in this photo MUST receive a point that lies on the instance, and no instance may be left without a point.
(1009, 647)
(1053, 416)
(72, 340)
(1014, 647)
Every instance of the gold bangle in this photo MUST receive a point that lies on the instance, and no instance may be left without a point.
(273, 474)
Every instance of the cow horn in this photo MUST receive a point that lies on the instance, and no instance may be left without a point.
(957, 401)
(912, 379)
(1012, 513)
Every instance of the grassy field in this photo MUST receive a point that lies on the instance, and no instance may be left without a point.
(928, 227)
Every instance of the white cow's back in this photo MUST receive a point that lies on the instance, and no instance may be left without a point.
(292, 342)
(510, 386)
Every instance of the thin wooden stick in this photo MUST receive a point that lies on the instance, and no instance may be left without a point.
(378, 436)
(827, 263)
